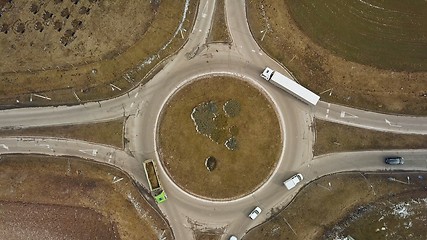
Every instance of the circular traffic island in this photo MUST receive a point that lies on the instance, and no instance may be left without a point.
(219, 137)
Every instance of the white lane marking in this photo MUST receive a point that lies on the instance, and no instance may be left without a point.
(347, 115)
(253, 50)
(131, 105)
(260, 53)
(4, 146)
(329, 105)
(327, 115)
(92, 152)
(44, 145)
(136, 95)
(391, 124)
(205, 8)
(327, 110)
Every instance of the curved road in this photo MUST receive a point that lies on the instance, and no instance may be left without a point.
(196, 59)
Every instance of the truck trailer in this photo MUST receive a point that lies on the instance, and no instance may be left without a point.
(290, 86)
(153, 181)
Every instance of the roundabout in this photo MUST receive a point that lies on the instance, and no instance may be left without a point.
(221, 130)
(228, 121)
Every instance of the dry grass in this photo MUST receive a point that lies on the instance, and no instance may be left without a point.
(183, 151)
(334, 137)
(219, 31)
(67, 181)
(319, 69)
(316, 209)
(109, 133)
(124, 68)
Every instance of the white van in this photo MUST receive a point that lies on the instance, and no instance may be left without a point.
(293, 181)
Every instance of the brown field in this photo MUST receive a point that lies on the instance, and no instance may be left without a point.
(183, 151)
(21, 221)
(318, 69)
(109, 133)
(72, 199)
(319, 207)
(334, 137)
(116, 43)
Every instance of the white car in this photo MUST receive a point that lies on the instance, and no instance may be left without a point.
(254, 214)
(232, 237)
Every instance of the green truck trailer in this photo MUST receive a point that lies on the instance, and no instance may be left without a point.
(153, 181)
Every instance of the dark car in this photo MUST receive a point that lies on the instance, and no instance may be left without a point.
(394, 160)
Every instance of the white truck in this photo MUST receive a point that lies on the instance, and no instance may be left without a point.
(293, 181)
(290, 86)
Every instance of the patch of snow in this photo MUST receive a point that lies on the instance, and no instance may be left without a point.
(178, 30)
(401, 210)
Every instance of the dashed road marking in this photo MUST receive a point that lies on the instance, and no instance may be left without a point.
(92, 152)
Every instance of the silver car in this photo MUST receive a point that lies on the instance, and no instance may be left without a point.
(394, 160)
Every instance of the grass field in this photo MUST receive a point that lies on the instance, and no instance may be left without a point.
(183, 150)
(334, 137)
(43, 187)
(329, 201)
(109, 133)
(219, 31)
(319, 69)
(124, 62)
(388, 34)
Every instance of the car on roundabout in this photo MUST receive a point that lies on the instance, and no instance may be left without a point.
(232, 237)
(255, 213)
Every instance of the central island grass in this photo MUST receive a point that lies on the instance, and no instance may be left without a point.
(183, 150)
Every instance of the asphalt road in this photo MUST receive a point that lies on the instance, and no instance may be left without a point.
(196, 59)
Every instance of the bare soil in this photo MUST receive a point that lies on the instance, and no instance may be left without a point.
(80, 190)
(183, 150)
(334, 137)
(327, 201)
(109, 133)
(353, 84)
(113, 49)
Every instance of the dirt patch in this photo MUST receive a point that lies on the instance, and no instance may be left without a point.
(323, 203)
(114, 54)
(334, 137)
(321, 71)
(72, 31)
(70, 183)
(184, 150)
(109, 133)
(41, 221)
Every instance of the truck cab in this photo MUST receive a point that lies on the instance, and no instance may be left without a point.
(266, 74)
